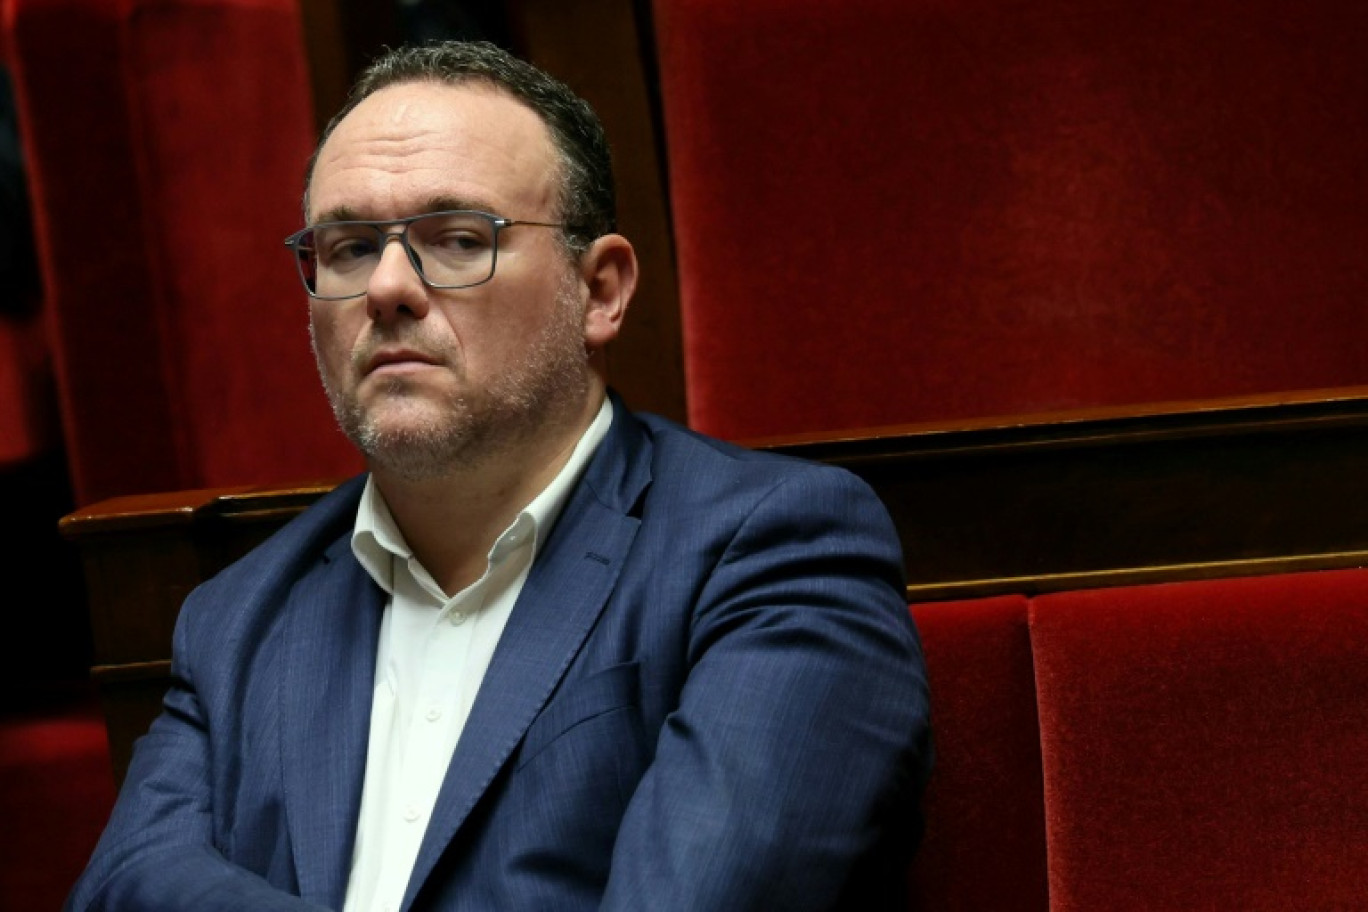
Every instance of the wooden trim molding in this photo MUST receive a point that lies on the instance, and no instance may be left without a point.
(1119, 496)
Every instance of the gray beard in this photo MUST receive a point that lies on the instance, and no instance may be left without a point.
(547, 383)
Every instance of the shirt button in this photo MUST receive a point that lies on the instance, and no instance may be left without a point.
(457, 618)
(411, 813)
(434, 713)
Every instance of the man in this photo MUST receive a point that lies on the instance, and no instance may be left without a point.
(546, 654)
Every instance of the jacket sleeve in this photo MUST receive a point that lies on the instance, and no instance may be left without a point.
(788, 776)
(158, 854)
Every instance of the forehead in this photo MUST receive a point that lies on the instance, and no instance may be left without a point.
(411, 144)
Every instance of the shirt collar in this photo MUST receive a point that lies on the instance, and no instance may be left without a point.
(377, 540)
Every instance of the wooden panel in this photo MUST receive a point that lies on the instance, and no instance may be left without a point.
(594, 46)
(1112, 497)
(142, 555)
(327, 53)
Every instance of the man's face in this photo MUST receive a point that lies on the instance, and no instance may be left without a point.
(426, 380)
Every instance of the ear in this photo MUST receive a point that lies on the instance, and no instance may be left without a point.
(609, 272)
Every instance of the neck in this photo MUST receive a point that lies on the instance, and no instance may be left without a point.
(452, 520)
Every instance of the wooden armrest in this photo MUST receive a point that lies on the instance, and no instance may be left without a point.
(142, 555)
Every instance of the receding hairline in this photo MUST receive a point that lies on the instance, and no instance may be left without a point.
(463, 81)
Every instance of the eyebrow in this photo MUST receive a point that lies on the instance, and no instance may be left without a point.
(434, 204)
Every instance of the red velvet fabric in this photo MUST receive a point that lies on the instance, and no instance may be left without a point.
(166, 142)
(56, 792)
(889, 212)
(1206, 744)
(28, 411)
(985, 817)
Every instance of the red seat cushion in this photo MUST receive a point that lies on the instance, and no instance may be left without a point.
(1206, 744)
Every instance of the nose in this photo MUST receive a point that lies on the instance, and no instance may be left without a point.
(394, 288)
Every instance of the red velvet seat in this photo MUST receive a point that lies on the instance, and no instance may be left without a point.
(1205, 744)
(166, 142)
(889, 212)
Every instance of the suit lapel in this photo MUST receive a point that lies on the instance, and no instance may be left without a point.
(326, 694)
(570, 583)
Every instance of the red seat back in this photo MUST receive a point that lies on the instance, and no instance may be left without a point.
(889, 212)
(166, 143)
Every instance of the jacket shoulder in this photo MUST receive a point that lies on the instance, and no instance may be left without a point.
(288, 553)
(687, 458)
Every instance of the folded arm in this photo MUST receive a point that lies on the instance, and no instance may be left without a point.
(158, 853)
(794, 761)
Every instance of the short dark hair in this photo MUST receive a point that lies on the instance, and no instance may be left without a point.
(587, 198)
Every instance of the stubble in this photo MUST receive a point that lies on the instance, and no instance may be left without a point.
(417, 439)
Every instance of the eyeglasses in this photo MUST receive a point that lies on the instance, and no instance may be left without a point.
(454, 249)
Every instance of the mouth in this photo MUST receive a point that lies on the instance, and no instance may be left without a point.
(398, 359)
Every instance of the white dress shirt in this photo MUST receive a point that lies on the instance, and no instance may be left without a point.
(433, 652)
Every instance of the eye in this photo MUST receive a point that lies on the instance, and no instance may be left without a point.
(343, 250)
(457, 239)
(343, 244)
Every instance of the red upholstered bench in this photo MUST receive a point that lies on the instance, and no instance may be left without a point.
(1201, 745)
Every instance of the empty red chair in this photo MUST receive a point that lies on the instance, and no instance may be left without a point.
(166, 142)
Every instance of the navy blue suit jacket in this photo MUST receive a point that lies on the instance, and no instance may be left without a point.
(709, 696)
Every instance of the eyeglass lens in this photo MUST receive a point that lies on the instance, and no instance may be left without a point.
(448, 249)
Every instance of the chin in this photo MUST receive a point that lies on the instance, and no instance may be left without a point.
(414, 453)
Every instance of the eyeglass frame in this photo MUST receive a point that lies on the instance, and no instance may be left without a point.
(498, 222)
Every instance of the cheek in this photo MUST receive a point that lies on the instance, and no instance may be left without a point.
(330, 345)
(489, 333)
(511, 343)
